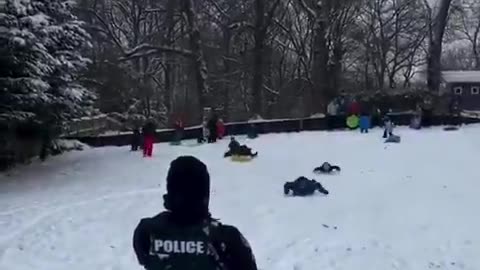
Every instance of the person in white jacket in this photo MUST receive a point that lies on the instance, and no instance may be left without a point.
(332, 108)
(332, 112)
(205, 133)
(388, 125)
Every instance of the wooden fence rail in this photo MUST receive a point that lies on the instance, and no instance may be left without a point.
(263, 127)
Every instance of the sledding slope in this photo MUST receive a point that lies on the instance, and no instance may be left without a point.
(404, 206)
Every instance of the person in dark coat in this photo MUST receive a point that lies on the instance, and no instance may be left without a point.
(234, 145)
(185, 236)
(136, 139)
(179, 129)
(427, 111)
(252, 132)
(148, 132)
(327, 168)
(212, 128)
(303, 186)
(455, 110)
(234, 148)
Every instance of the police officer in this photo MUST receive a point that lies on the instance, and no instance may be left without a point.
(185, 236)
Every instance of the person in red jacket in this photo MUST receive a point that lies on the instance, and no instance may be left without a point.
(220, 128)
(148, 138)
(354, 108)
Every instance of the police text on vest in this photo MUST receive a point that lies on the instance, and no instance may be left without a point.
(178, 247)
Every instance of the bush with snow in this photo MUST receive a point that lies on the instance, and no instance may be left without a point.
(69, 145)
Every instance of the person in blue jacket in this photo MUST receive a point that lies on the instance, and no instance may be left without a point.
(364, 123)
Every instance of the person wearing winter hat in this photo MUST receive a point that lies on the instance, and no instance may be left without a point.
(185, 236)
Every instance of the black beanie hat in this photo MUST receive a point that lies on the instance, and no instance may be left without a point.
(188, 188)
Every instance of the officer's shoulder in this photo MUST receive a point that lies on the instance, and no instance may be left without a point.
(155, 221)
(225, 230)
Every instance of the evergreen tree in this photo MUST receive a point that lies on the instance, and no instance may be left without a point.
(40, 49)
(66, 41)
(24, 62)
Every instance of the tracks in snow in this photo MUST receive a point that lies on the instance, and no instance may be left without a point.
(47, 211)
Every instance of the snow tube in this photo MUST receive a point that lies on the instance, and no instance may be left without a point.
(353, 121)
(450, 128)
(393, 139)
(241, 159)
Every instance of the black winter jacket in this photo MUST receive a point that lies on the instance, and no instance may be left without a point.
(233, 249)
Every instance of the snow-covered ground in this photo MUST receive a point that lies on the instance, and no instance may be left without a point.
(404, 206)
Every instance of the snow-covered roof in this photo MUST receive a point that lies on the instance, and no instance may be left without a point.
(461, 76)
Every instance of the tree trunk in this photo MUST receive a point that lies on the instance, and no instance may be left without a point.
(167, 94)
(435, 47)
(199, 64)
(335, 71)
(226, 70)
(169, 68)
(476, 53)
(319, 69)
(258, 58)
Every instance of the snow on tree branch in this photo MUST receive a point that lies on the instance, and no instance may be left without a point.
(146, 49)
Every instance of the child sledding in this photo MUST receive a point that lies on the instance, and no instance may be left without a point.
(236, 149)
(303, 186)
(326, 168)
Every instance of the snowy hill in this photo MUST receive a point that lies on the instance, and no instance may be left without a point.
(403, 206)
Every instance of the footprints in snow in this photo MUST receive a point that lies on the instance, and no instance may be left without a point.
(338, 256)
(445, 265)
(328, 227)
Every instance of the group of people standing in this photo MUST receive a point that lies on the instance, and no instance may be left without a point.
(213, 128)
(362, 112)
(351, 111)
(145, 138)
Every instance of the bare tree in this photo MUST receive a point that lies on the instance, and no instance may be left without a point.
(394, 36)
(200, 66)
(263, 20)
(268, 58)
(437, 24)
(467, 21)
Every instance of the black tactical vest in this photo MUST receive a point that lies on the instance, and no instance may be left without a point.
(182, 248)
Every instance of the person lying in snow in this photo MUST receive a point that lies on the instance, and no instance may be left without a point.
(326, 168)
(235, 149)
(303, 187)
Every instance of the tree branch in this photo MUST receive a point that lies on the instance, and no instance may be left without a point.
(219, 9)
(311, 13)
(147, 49)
